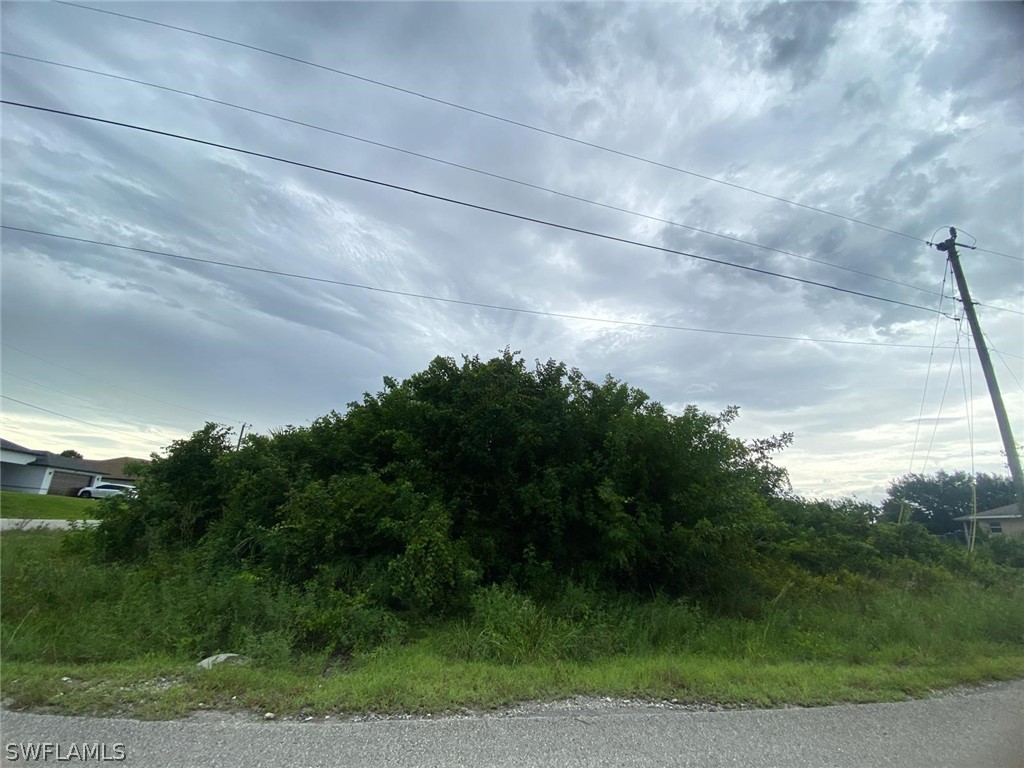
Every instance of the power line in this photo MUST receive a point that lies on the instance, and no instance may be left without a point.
(1000, 308)
(72, 418)
(930, 242)
(968, 399)
(88, 401)
(1008, 368)
(51, 389)
(103, 381)
(1010, 354)
(928, 371)
(998, 253)
(492, 116)
(469, 168)
(942, 401)
(466, 204)
(461, 302)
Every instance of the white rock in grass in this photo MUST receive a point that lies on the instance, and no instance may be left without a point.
(221, 658)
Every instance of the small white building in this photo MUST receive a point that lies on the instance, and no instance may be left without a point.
(41, 472)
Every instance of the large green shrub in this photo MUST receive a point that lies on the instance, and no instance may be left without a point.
(489, 473)
(466, 474)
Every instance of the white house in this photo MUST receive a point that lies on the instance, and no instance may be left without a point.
(42, 472)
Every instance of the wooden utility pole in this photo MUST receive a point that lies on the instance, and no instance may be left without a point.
(949, 246)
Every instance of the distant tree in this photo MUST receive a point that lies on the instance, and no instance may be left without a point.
(937, 500)
(71, 453)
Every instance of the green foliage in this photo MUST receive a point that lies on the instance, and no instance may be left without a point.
(510, 628)
(340, 625)
(911, 622)
(485, 492)
(70, 453)
(180, 496)
(179, 606)
(821, 537)
(824, 537)
(1004, 550)
(936, 500)
(580, 625)
(479, 473)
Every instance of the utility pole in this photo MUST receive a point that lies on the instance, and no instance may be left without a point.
(240, 433)
(949, 246)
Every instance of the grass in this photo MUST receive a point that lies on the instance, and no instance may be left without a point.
(81, 638)
(42, 507)
(416, 679)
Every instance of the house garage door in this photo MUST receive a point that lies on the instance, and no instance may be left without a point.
(67, 483)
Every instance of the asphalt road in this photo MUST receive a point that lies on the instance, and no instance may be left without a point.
(982, 728)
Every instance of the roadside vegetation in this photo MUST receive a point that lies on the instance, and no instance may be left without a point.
(42, 507)
(482, 534)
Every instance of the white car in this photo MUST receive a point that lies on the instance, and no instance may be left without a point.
(106, 489)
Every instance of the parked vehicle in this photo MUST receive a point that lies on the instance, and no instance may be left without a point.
(106, 489)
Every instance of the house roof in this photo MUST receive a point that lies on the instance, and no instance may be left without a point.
(54, 461)
(115, 467)
(1006, 512)
(7, 445)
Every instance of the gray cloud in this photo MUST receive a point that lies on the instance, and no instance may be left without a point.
(868, 133)
(798, 36)
(565, 40)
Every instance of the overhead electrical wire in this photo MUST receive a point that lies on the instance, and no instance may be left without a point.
(998, 253)
(471, 169)
(466, 204)
(1008, 354)
(968, 397)
(89, 401)
(108, 383)
(72, 418)
(490, 174)
(928, 370)
(974, 247)
(51, 389)
(969, 412)
(1003, 359)
(1001, 309)
(461, 302)
(942, 401)
(492, 116)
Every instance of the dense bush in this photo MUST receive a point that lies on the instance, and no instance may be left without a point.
(823, 537)
(488, 491)
(464, 475)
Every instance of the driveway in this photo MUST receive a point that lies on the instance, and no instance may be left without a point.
(21, 524)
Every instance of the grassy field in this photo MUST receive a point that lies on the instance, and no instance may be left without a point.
(37, 507)
(82, 638)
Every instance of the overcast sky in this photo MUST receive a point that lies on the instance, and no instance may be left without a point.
(904, 116)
